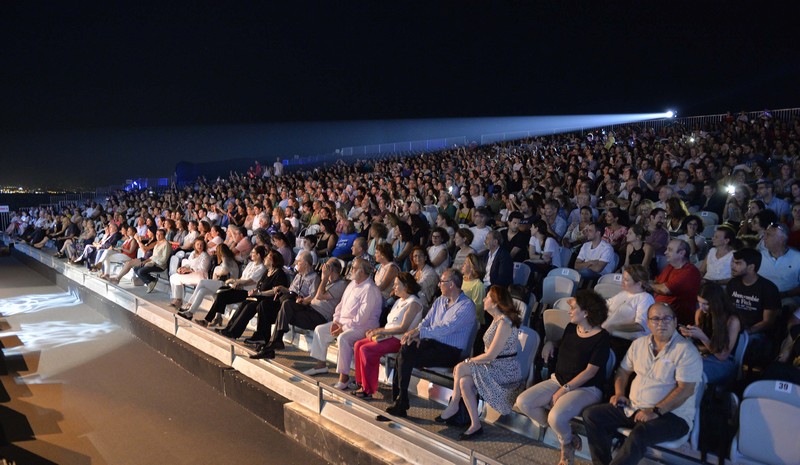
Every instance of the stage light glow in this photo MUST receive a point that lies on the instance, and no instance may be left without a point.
(670, 114)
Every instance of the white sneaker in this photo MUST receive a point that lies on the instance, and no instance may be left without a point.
(316, 371)
(340, 386)
(151, 286)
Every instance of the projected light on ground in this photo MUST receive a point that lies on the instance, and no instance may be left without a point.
(37, 302)
(53, 334)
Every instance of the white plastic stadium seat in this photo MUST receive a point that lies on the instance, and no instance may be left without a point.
(769, 419)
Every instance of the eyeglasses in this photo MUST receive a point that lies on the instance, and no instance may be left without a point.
(657, 320)
(445, 282)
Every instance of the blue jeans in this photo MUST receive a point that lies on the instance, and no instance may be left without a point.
(720, 372)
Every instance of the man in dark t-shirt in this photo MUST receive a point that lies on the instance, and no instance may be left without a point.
(756, 300)
(514, 240)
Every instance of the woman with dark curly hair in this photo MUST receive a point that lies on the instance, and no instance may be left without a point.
(579, 375)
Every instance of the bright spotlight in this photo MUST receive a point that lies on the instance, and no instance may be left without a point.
(670, 114)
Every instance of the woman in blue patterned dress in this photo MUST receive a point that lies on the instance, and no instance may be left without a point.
(495, 375)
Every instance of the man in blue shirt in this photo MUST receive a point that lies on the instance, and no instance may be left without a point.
(438, 341)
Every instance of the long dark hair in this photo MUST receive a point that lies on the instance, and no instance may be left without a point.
(505, 303)
(715, 321)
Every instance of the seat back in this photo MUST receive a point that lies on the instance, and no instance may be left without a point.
(615, 278)
(557, 287)
(525, 309)
(521, 273)
(607, 290)
(566, 255)
(466, 352)
(612, 360)
(568, 273)
(562, 303)
(769, 418)
(529, 341)
(555, 321)
(709, 218)
(738, 356)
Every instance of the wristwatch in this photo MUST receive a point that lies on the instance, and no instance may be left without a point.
(566, 387)
(657, 411)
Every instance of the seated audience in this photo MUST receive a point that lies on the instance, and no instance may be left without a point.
(406, 314)
(580, 373)
(494, 375)
(660, 404)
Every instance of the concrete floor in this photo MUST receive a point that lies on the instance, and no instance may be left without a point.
(81, 390)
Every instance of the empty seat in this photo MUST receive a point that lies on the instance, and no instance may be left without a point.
(555, 321)
(557, 287)
(566, 273)
(562, 303)
(607, 290)
(529, 340)
(521, 273)
(769, 419)
(709, 218)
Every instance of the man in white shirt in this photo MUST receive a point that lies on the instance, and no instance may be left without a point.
(660, 405)
(596, 256)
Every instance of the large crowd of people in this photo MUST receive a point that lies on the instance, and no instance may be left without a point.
(416, 256)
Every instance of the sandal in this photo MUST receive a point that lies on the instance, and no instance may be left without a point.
(577, 444)
(361, 395)
(567, 454)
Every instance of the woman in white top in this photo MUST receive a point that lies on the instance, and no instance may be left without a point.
(543, 249)
(193, 269)
(544, 254)
(437, 252)
(406, 314)
(228, 269)
(627, 311)
(717, 265)
(186, 247)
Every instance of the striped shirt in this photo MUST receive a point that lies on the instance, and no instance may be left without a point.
(450, 324)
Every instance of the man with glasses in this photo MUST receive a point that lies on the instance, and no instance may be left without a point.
(781, 264)
(437, 342)
(661, 403)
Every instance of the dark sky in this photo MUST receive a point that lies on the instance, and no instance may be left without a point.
(74, 76)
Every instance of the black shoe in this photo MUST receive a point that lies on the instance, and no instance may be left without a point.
(265, 354)
(276, 345)
(254, 340)
(397, 411)
(439, 419)
(186, 315)
(468, 436)
(223, 332)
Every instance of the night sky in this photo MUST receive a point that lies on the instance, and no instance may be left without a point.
(122, 89)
